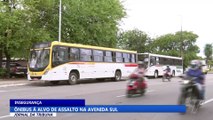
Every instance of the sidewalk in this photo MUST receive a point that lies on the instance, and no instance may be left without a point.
(13, 81)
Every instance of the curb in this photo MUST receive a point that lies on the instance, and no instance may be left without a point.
(12, 85)
(12, 82)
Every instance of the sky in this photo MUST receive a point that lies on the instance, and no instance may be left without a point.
(159, 17)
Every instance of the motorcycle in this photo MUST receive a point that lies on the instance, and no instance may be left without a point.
(166, 75)
(190, 94)
(136, 85)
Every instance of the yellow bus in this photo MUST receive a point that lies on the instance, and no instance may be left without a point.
(56, 61)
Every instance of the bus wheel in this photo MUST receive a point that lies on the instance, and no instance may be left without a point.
(73, 78)
(156, 74)
(117, 76)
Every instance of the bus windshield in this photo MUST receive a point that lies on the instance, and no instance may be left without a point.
(144, 58)
(39, 59)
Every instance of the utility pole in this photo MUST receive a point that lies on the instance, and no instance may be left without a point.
(59, 25)
(182, 44)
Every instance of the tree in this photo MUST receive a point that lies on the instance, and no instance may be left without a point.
(134, 40)
(24, 22)
(181, 44)
(17, 31)
(210, 63)
(83, 21)
(208, 51)
(165, 44)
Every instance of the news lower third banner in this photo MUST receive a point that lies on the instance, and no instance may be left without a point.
(49, 107)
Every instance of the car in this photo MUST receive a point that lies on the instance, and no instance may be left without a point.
(205, 69)
(16, 69)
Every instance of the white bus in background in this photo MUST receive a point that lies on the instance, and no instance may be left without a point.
(155, 64)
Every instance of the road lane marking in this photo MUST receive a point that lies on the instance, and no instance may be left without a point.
(5, 116)
(208, 101)
(150, 91)
(11, 85)
(120, 95)
(125, 95)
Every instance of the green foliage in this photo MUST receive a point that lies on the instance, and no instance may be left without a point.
(210, 63)
(165, 44)
(181, 44)
(208, 51)
(91, 22)
(2, 72)
(134, 40)
(17, 28)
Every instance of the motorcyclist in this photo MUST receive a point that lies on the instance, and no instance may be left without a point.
(168, 70)
(139, 71)
(196, 71)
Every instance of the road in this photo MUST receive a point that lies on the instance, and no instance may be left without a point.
(107, 93)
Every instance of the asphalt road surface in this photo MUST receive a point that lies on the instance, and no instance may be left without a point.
(107, 93)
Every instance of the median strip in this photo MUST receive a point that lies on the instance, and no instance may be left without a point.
(207, 101)
(11, 85)
(5, 116)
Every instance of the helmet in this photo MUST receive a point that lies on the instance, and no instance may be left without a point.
(140, 64)
(195, 64)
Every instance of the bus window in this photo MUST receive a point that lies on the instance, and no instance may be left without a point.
(60, 55)
(129, 58)
(133, 58)
(118, 57)
(108, 56)
(170, 61)
(33, 59)
(85, 55)
(180, 62)
(157, 60)
(126, 57)
(74, 54)
(175, 62)
(98, 55)
(161, 61)
(152, 61)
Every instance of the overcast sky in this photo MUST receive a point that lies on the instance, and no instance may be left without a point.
(158, 17)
